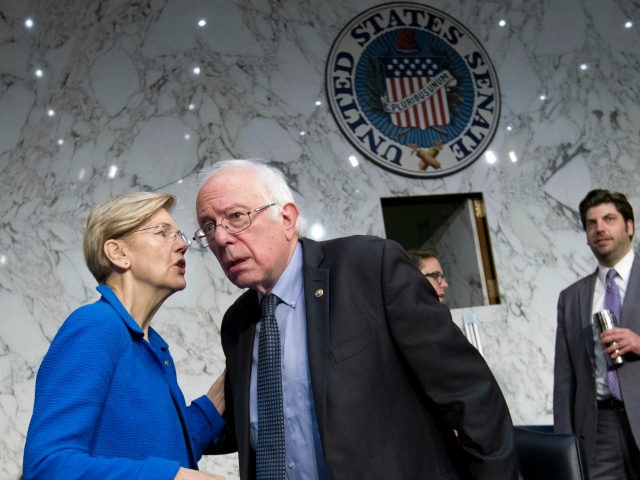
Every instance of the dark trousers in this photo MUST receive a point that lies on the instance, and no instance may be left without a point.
(617, 456)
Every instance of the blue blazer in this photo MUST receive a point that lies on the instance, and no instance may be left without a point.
(108, 404)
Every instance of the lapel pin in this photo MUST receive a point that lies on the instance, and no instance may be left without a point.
(319, 293)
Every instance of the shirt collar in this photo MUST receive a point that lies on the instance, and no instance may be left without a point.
(623, 267)
(290, 282)
(112, 299)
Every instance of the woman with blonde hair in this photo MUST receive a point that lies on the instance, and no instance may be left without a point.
(107, 402)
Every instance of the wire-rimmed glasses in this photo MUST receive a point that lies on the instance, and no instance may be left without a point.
(233, 223)
(437, 276)
(161, 230)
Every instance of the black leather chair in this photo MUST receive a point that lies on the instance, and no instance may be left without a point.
(544, 455)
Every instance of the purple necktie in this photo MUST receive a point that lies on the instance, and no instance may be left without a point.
(613, 303)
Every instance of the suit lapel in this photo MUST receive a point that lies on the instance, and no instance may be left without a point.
(250, 314)
(316, 295)
(630, 305)
(585, 303)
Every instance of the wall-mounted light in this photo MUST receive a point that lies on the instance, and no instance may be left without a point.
(490, 157)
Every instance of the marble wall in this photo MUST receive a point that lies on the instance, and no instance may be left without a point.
(101, 97)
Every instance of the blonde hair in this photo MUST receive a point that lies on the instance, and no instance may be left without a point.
(114, 219)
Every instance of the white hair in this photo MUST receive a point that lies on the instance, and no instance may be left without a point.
(270, 181)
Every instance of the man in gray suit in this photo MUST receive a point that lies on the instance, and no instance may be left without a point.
(606, 415)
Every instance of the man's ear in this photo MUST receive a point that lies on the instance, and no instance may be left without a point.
(290, 215)
(116, 253)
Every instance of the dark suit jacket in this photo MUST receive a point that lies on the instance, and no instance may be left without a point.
(574, 393)
(391, 374)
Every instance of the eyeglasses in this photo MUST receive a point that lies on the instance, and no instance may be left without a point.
(233, 223)
(437, 276)
(161, 230)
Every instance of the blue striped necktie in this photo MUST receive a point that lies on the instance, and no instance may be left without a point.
(270, 446)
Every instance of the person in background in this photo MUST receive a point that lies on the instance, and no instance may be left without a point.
(596, 402)
(353, 369)
(107, 401)
(427, 262)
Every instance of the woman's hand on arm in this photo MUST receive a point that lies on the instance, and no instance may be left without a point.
(188, 474)
(216, 393)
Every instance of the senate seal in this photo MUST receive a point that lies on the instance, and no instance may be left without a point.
(413, 90)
